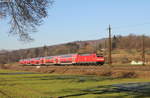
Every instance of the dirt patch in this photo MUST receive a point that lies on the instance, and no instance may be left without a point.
(123, 74)
(116, 71)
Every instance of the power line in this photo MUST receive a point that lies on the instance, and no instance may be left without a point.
(123, 28)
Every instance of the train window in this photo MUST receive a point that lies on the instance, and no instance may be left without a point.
(100, 55)
(49, 57)
(66, 56)
(37, 58)
(85, 54)
(20, 60)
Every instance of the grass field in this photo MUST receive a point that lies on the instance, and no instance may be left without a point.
(15, 84)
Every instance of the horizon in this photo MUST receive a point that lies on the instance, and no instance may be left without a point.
(71, 42)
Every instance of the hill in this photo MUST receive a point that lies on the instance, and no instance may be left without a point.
(124, 49)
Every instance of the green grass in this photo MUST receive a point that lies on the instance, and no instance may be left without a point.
(68, 86)
(5, 71)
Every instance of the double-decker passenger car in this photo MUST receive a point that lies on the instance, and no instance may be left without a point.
(72, 59)
(67, 59)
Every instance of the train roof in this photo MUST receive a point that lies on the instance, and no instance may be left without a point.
(62, 55)
(67, 55)
(85, 54)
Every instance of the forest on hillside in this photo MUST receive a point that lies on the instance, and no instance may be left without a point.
(122, 47)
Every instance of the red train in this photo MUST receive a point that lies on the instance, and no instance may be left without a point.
(72, 59)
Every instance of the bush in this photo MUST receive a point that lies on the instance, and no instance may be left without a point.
(124, 74)
(125, 60)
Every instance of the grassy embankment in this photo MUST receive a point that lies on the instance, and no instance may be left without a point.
(46, 85)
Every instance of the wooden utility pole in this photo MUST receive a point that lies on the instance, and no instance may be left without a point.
(45, 49)
(110, 46)
(143, 50)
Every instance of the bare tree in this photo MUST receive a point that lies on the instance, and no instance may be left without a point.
(24, 15)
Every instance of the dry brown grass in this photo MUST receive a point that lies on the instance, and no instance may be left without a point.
(116, 71)
(124, 74)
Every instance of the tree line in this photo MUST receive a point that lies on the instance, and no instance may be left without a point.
(94, 46)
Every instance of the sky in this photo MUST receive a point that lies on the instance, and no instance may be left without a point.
(75, 20)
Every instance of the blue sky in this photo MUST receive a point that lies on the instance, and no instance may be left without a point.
(72, 20)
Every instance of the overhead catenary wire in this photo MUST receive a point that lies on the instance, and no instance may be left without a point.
(123, 28)
(131, 26)
(117, 30)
